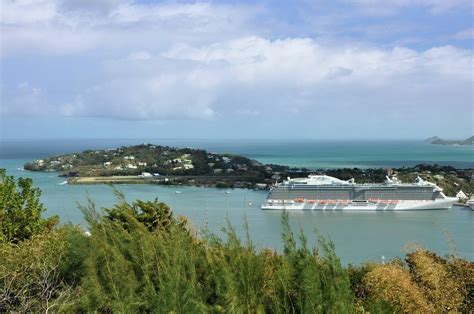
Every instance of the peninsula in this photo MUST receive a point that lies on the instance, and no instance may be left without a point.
(147, 163)
(155, 164)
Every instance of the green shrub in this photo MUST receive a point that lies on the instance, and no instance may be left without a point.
(131, 269)
(72, 268)
(21, 210)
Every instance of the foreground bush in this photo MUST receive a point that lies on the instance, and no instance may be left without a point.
(135, 267)
(21, 210)
(34, 273)
(139, 258)
(392, 284)
(439, 286)
(426, 283)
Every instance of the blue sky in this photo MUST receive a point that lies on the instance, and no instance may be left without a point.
(236, 69)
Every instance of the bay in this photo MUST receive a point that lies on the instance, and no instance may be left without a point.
(358, 237)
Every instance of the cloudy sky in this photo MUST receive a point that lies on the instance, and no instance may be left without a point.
(236, 69)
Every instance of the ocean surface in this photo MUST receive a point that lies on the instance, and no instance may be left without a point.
(358, 237)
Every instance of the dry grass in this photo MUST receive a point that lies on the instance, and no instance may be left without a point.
(394, 285)
(439, 286)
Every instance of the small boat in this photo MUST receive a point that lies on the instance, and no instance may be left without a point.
(177, 192)
(470, 203)
(227, 192)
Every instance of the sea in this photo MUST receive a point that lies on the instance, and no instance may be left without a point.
(358, 237)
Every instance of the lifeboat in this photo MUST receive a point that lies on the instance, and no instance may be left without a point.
(322, 202)
(394, 202)
(299, 200)
(311, 201)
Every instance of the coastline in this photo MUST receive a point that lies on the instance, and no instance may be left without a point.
(207, 181)
(167, 165)
(212, 207)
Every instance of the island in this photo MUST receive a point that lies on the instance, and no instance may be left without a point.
(147, 163)
(438, 141)
(155, 164)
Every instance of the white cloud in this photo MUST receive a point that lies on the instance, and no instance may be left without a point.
(467, 34)
(54, 27)
(213, 61)
(90, 6)
(23, 12)
(294, 76)
(388, 7)
(23, 100)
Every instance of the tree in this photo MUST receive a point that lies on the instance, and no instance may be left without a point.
(156, 216)
(21, 210)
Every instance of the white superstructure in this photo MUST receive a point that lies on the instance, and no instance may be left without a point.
(321, 192)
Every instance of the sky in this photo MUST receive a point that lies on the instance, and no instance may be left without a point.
(334, 69)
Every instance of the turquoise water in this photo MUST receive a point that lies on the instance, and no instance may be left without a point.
(311, 154)
(358, 236)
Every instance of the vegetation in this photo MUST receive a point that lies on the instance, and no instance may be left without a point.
(20, 210)
(139, 257)
(153, 159)
(148, 163)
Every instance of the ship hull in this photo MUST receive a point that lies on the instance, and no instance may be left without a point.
(446, 203)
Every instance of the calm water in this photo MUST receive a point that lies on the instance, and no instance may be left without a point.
(358, 236)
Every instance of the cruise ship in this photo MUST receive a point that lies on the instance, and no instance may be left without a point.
(325, 193)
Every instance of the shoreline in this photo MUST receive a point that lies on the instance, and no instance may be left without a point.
(206, 181)
(164, 165)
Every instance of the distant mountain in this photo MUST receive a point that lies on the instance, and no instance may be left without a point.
(431, 139)
(438, 141)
